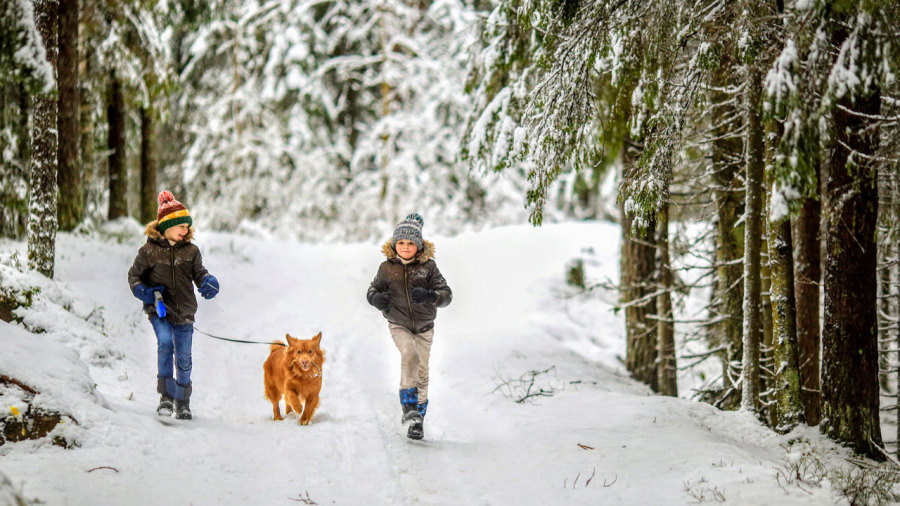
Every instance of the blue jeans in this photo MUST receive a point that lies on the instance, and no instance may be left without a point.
(173, 347)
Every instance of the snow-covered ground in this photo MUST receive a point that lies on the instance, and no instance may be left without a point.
(596, 437)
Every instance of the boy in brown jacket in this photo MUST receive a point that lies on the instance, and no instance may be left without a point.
(408, 289)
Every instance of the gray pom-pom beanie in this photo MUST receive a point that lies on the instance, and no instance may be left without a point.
(410, 229)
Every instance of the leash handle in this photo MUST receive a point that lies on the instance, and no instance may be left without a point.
(160, 307)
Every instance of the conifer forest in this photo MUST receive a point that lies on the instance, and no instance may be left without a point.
(755, 141)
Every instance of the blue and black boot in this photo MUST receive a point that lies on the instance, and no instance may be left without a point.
(417, 427)
(409, 398)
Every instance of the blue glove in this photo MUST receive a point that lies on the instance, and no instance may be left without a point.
(209, 288)
(145, 293)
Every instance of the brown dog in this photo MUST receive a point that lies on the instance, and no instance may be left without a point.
(295, 372)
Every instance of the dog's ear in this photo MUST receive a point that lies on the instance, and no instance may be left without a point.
(317, 338)
(291, 340)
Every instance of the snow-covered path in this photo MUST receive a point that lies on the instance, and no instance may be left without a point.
(600, 438)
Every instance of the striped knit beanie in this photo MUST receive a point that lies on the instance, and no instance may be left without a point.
(410, 229)
(170, 212)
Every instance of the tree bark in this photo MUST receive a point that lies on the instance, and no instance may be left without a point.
(807, 285)
(148, 166)
(728, 295)
(86, 123)
(71, 191)
(850, 335)
(638, 261)
(641, 355)
(42, 221)
(667, 369)
(788, 406)
(115, 116)
(753, 230)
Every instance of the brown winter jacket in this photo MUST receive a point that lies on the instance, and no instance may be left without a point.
(177, 267)
(399, 279)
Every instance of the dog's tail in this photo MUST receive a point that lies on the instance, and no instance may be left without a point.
(276, 345)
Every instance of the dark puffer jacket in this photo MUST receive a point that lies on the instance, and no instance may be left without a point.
(399, 279)
(177, 267)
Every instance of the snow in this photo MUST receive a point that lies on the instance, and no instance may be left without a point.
(598, 437)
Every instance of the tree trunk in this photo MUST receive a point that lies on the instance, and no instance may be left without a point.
(115, 116)
(850, 333)
(148, 166)
(638, 261)
(753, 230)
(90, 196)
(42, 224)
(667, 368)
(15, 145)
(788, 406)
(641, 353)
(807, 284)
(887, 256)
(71, 191)
(728, 293)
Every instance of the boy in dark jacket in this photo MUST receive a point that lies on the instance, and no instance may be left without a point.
(408, 289)
(169, 264)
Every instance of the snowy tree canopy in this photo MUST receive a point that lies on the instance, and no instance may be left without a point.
(22, 54)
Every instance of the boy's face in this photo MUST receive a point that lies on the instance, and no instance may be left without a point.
(177, 233)
(406, 249)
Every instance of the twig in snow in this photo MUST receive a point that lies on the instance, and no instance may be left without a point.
(588, 482)
(102, 467)
(304, 500)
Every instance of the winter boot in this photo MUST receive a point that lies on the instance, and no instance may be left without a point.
(416, 428)
(183, 405)
(166, 406)
(409, 397)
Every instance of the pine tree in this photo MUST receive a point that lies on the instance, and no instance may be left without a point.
(753, 229)
(148, 189)
(725, 154)
(71, 191)
(116, 133)
(42, 222)
(24, 70)
(850, 336)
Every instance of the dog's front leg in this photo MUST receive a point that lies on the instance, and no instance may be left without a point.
(309, 407)
(291, 401)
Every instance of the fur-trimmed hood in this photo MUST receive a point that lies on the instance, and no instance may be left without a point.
(426, 254)
(152, 231)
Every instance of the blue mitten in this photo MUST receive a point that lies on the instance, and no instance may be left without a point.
(144, 293)
(209, 288)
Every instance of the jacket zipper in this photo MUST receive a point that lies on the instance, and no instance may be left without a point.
(412, 315)
(174, 295)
